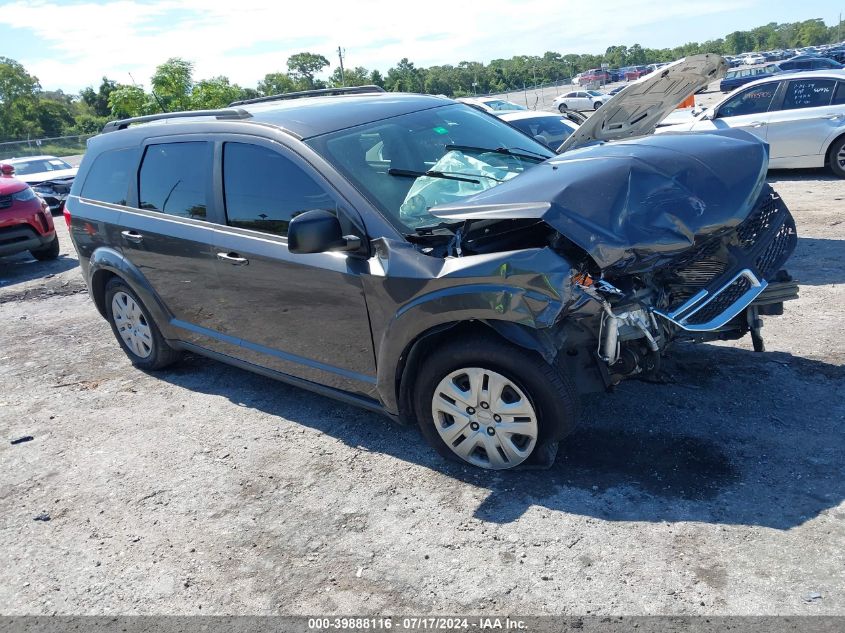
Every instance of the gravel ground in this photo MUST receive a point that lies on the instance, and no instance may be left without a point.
(208, 490)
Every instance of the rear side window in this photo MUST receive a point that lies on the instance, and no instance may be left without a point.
(109, 177)
(264, 190)
(808, 93)
(175, 179)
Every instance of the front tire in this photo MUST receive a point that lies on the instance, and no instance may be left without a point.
(596, 105)
(562, 107)
(50, 251)
(135, 329)
(837, 157)
(494, 405)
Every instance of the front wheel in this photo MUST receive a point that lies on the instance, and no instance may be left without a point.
(494, 405)
(50, 251)
(837, 157)
(596, 105)
(562, 107)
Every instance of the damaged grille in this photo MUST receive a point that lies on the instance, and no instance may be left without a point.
(732, 268)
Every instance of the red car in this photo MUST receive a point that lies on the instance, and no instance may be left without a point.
(596, 75)
(26, 223)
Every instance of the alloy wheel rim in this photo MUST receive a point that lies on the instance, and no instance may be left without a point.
(132, 325)
(484, 418)
(840, 156)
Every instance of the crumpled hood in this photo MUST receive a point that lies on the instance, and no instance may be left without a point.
(44, 176)
(634, 204)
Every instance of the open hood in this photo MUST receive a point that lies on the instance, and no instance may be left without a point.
(637, 109)
(633, 204)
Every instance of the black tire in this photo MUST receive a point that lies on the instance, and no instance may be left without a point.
(161, 354)
(562, 107)
(837, 148)
(550, 390)
(596, 105)
(50, 251)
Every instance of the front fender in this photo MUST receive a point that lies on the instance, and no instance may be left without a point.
(106, 261)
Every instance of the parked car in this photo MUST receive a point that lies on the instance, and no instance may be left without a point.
(493, 105)
(427, 260)
(580, 100)
(809, 62)
(635, 72)
(594, 75)
(549, 128)
(800, 115)
(736, 78)
(51, 177)
(25, 220)
(753, 58)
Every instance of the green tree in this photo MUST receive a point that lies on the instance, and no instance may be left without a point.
(303, 67)
(172, 83)
(276, 84)
(358, 76)
(217, 92)
(18, 99)
(53, 117)
(129, 101)
(98, 100)
(376, 78)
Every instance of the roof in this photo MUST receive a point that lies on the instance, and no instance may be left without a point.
(313, 116)
(21, 159)
(518, 115)
(828, 73)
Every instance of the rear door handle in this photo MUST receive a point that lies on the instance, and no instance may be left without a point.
(132, 236)
(834, 117)
(233, 258)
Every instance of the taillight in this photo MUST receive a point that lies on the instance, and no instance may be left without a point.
(66, 213)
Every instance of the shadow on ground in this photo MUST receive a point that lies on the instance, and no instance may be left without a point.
(817, 262)
(22, 267)
(734, 438)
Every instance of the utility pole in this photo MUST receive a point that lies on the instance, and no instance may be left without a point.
(340, 56)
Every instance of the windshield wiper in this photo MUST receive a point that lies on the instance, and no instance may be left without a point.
(409, 173)
(535, 156)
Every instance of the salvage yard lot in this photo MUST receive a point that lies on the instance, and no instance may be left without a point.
(205, 489)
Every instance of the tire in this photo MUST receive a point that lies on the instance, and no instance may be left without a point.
(50, 251)
(562, 107)
(145, 346)
(836, 157)
(596, 105)
(460, 430)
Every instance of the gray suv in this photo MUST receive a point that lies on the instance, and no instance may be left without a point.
(417, 257)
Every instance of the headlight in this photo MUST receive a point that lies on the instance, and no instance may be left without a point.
(25, 195)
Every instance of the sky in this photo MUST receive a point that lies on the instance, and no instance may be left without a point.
(70, 44)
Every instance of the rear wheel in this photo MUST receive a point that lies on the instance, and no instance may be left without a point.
(50, 251)
(563, 107)
(135, 330)
(596, 105)
(837, 157)
(493, 405)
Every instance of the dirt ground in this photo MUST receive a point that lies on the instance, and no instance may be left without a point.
(205, 489)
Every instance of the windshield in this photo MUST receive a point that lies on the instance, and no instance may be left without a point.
(399, 163)
(38, 165)
(503, 106)
(553, 130)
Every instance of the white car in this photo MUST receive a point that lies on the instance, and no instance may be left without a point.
(50, 177)
(754, 58)
(800, 115)
(581, 100)
(549, 128)
(494, 105)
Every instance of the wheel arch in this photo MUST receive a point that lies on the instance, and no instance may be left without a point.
(835, 137)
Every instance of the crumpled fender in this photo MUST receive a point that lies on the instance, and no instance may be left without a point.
(413, 293)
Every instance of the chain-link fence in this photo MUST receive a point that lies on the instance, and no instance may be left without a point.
(56, 146)
(540, 97)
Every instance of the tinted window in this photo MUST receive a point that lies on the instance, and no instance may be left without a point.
(552, 130)
(109, 177)
(808, 93)
(839, 97)
(175, 179)
(753, 101)
(264, 190)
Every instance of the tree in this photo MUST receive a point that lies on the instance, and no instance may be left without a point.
(358, 76)
(276, 84)
(53, 117)
(99, 101)
(303, 67)
(129, 101)
(18, 99)
(376, 79)
(209, 94)
(172, 84)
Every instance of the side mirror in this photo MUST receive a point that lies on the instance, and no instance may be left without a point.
(319, 231)
(7, 169)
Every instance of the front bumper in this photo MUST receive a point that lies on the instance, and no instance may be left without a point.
(22, 238)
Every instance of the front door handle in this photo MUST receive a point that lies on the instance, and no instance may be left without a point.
(132, 236)
(233, 258)
(834, 117)
(758, 123)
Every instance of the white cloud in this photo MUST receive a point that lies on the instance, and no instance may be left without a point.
(245, 40)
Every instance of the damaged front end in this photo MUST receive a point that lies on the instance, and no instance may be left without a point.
(669, 238)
